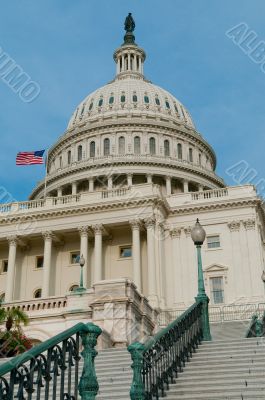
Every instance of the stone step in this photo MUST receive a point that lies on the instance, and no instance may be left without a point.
(238, 395)
(221, 376)
(217, 389)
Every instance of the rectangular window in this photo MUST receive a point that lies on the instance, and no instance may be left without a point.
(217, 290)
(39, 262)
(4, 266)
(125, 251)
(75, 257)
(213, 242)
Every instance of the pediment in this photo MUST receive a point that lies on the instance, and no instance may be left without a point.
(216, 268)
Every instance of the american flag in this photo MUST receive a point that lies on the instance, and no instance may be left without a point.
(30, 157)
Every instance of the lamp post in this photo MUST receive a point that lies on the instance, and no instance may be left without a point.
(81, 288)
(198, 235)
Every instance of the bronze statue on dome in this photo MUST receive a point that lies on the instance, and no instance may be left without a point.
(129, 24)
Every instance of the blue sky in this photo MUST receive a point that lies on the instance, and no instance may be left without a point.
(66, 46)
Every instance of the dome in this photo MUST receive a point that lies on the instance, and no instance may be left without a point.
(129, 132)
(130, 95)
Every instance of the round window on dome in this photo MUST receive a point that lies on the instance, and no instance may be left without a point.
(157, 101)
(100, 103)
(167, 105)
(123, 98)
(111, 100)
(91, 106)
(146, 99)
(135, 98)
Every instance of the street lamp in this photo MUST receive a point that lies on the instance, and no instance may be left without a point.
(81, 288)
(198, 236)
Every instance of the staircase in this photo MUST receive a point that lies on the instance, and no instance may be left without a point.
(223, 369)
(114, 373)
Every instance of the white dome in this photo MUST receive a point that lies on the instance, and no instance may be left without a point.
(119, 97)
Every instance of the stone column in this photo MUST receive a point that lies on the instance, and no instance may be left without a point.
(149, 178)
(47, 263)
(129, 62)
(137, 273)
(109, 182)
(168, 185)
(200, 188)
(151, 261)
(91, 185)
(9, 294)
(185, 186)
(83, 232)
(135, 62)
(98, 270)
(59, 192)
(122, 63)
(74, 188)
(129, 179)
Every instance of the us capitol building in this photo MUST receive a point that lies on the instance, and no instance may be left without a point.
(125, 184)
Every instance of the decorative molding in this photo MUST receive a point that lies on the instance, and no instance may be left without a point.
(249, 224)
(48, 235)
(234, 226)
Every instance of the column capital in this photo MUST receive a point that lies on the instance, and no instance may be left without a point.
(12, 240)
(98, 228)
(47, 235)
(135, 223)
(249, 224)
(150, 222)
(187, 230)
(234, 226)
(83, 230)
(175, 232)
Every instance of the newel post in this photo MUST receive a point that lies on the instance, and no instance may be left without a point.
(137, 391)
(88, 385)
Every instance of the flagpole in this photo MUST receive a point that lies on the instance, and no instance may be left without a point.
(46, 174)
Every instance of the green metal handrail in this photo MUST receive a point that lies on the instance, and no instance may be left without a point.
(158, 362)
(39, 369)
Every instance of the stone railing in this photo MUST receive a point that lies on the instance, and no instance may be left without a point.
(38, 305)
(133, 192)
(228, 193)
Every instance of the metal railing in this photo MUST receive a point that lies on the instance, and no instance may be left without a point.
(157, 363)
(50, 371)
(226, 313)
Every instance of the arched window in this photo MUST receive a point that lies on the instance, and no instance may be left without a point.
(73, 287)
(106, 147)
(91, 106)
(157, 101)
(152, 145)
(123, 98)
(121, 145)
(111, 100)
(100, 103)
(92, 149)
(69, 157)
(79, 152)
(166, 148)
(190, 155)
(60, 162)
(137, 145)
(179, 151)
(167, 104)
(37, 294)
(134, 98)
(200, 159)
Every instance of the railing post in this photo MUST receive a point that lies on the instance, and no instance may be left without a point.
(88, 385)
(137, 391)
